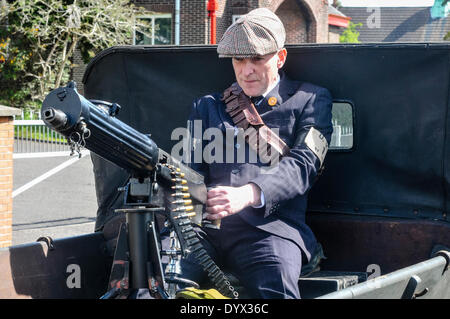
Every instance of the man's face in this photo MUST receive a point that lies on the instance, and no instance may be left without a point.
(256, 74)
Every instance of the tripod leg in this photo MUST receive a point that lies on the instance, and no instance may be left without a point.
(119, 276)
(138, 247)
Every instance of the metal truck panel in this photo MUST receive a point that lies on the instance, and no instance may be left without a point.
(72, 267)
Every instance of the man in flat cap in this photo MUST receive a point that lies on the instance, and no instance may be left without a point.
(263, 239)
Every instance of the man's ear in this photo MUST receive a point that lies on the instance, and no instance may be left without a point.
(282, 54)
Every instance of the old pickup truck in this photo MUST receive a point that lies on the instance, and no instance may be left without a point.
(380, 209)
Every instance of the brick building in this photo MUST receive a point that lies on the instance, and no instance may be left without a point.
(306, 21)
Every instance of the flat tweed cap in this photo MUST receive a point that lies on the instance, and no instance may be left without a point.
(257, 33)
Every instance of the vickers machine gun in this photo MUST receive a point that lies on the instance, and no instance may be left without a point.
(159, 184)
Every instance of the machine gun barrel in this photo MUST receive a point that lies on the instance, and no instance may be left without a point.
(56, 118)
(92, 124)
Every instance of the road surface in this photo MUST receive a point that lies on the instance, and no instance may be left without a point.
(53, 196)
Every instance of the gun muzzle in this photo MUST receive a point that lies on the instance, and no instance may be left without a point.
(57, 119)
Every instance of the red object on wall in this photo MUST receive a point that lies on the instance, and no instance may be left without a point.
(338, 20)
(212, 7)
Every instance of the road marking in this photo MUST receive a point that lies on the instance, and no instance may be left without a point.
(46, 175)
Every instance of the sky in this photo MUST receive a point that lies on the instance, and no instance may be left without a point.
(387, 3)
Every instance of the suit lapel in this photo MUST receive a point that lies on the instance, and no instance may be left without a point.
(279, 94)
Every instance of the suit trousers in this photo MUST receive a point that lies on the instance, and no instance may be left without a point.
(267, 266)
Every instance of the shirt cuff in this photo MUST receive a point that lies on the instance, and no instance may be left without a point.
(263, 201)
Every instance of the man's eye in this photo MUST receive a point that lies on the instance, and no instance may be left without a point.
(238, 59)
(257, 59)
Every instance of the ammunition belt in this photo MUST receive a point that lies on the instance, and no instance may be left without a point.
(181, 212)
(244, 115)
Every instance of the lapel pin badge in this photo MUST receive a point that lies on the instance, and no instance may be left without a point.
(272, 101)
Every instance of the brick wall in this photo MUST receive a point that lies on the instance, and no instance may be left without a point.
(78, 71)
(294, 21)
(321, 12)
(194, 22)
(304, 20)
(6, 173)
(193, 18)
(334, 34)
(314, 16)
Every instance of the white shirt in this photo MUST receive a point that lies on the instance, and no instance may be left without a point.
(270, 88)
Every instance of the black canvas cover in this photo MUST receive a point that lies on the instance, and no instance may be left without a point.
(399, 163)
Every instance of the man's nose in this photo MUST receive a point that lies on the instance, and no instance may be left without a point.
(248, 68)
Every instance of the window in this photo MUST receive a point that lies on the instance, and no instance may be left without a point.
(160, 30)
(342, 119)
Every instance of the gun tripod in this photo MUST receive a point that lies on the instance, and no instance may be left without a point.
(137, 259)
(137, 263)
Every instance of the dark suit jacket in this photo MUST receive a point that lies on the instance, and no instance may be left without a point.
(299, 107)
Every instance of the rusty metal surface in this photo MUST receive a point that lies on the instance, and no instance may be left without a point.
(362, 243)
(425, 280)
(39, 270)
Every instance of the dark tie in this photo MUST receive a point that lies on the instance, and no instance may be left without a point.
(257, 99)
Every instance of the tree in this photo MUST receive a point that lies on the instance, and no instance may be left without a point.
(447, 36)
(38, 39)
(350, 35)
